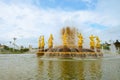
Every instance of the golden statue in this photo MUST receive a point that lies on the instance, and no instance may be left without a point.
(50, 41)
(92, 42)
(42, 42)
(80, 40)
(39, 42)
(64, 38)
(97, 42)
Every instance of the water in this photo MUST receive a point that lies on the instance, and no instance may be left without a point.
(113, 48)
(30, 67)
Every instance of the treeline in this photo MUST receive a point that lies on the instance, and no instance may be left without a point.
(105, 46)
(7, 49)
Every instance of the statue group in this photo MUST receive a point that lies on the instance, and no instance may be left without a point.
(93, 43)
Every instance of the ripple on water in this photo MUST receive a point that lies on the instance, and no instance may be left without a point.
(30, 67)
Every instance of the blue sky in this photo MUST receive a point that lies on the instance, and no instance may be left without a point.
(62, 4)
(69, 5)
(28, 19)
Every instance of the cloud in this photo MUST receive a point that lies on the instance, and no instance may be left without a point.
(28, 22)
(110, 8)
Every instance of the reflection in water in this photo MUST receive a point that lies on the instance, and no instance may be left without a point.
(69, 70)
(30, 67)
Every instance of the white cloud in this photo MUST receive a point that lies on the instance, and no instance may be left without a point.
(28, 22)
(111, 9)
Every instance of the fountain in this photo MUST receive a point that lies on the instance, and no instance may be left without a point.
(69, 49)
(113, 48)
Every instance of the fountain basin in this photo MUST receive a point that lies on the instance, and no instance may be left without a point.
(69, 52)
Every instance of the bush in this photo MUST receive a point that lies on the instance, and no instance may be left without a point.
(6, 47)
(24, 50)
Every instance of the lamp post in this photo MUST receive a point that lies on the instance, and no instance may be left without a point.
(14, 43)
(9, 45)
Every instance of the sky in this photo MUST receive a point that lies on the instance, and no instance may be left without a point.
(28, 19)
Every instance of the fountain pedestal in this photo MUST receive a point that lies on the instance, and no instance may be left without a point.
(40, 52)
